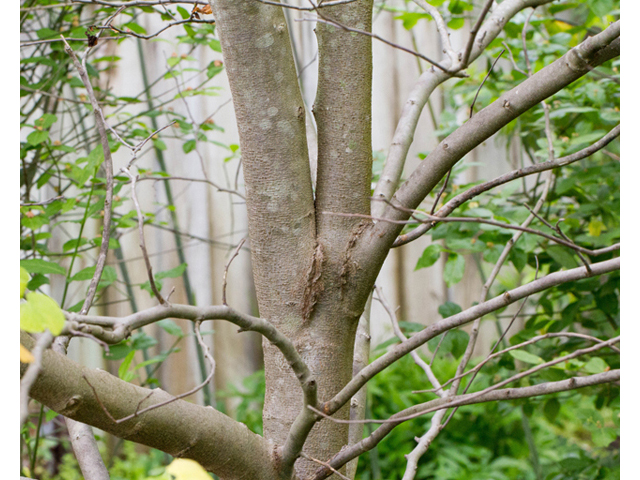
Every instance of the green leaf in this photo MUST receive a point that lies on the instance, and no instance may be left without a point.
(37, 265)
(600, 8)
(50, 415)
(188, 146)
(37, 137)
(123, 370)
(96, 157)
(215, 45)
(40, 312)
(562, 256)
(456, 23)
(118, 351)
(454, 342)
(170, 327)
(526, 357)
(84, 274)
(24, 279)
(596, 365)
(213, 70)
(430, 256)
(134, 27)
(46, 120)
(595, 228)
(454, 269)
(141, 341)
(183, 12)
(551, 409)
(173, 273)
(448, 309)
(146, 286)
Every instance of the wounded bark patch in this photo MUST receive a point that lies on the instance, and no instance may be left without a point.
(313, 287)
(349, 267)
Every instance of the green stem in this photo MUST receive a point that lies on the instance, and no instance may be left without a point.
(35, 448)
(75, 252)
(533, 451)
(174, 220)
(132, 299)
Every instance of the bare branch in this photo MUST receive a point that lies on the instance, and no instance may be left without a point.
(466, 316)
(86, 451)
(474, 31)
(153, 35)
(168, 401)
(142, 244)
(419, 96)
(204, 180)
(434, 218)
(383, 40)
(108, 167)
(30, 376)
(192, 428)
(441, 26)
(531, 341)
(226, 269)
(505, 394)
(315, 7)
(458, 200)
(358, 405)
(115, 329)
(416, 358)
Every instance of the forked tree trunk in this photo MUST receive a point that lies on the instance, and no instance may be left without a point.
(300, 255)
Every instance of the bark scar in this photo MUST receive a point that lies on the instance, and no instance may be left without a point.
(348, 266)
(313, 287)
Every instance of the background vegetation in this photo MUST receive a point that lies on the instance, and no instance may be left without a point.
(574, 435)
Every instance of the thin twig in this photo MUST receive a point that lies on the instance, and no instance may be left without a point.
(319, 462)
(524, 41)
(456, 402)
(474, 32)
(434, 218)
(46, 202)
(483, 82)
(166, 27)
(226, 270)
(143, 247)
(108, 167)
(139, 412)
(458, 200)
(531, 341)
(426, 368)
(321, 4)
(384, 40)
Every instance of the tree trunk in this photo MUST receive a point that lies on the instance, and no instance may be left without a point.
(302, 271)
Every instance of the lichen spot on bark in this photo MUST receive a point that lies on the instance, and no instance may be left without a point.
(272, 111)
(265, 41)
(265, 124)
(285, 128)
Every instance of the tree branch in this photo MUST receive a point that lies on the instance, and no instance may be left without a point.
(458, 200)
(468, 399)
(181, 429)
(32, 371)
(592, 52)
(462, 318)
(427, 83)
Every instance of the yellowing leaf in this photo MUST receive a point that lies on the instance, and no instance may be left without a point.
(25, 355)
(24, 279)
(595, 228)
(40, 312)
(185, 469)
